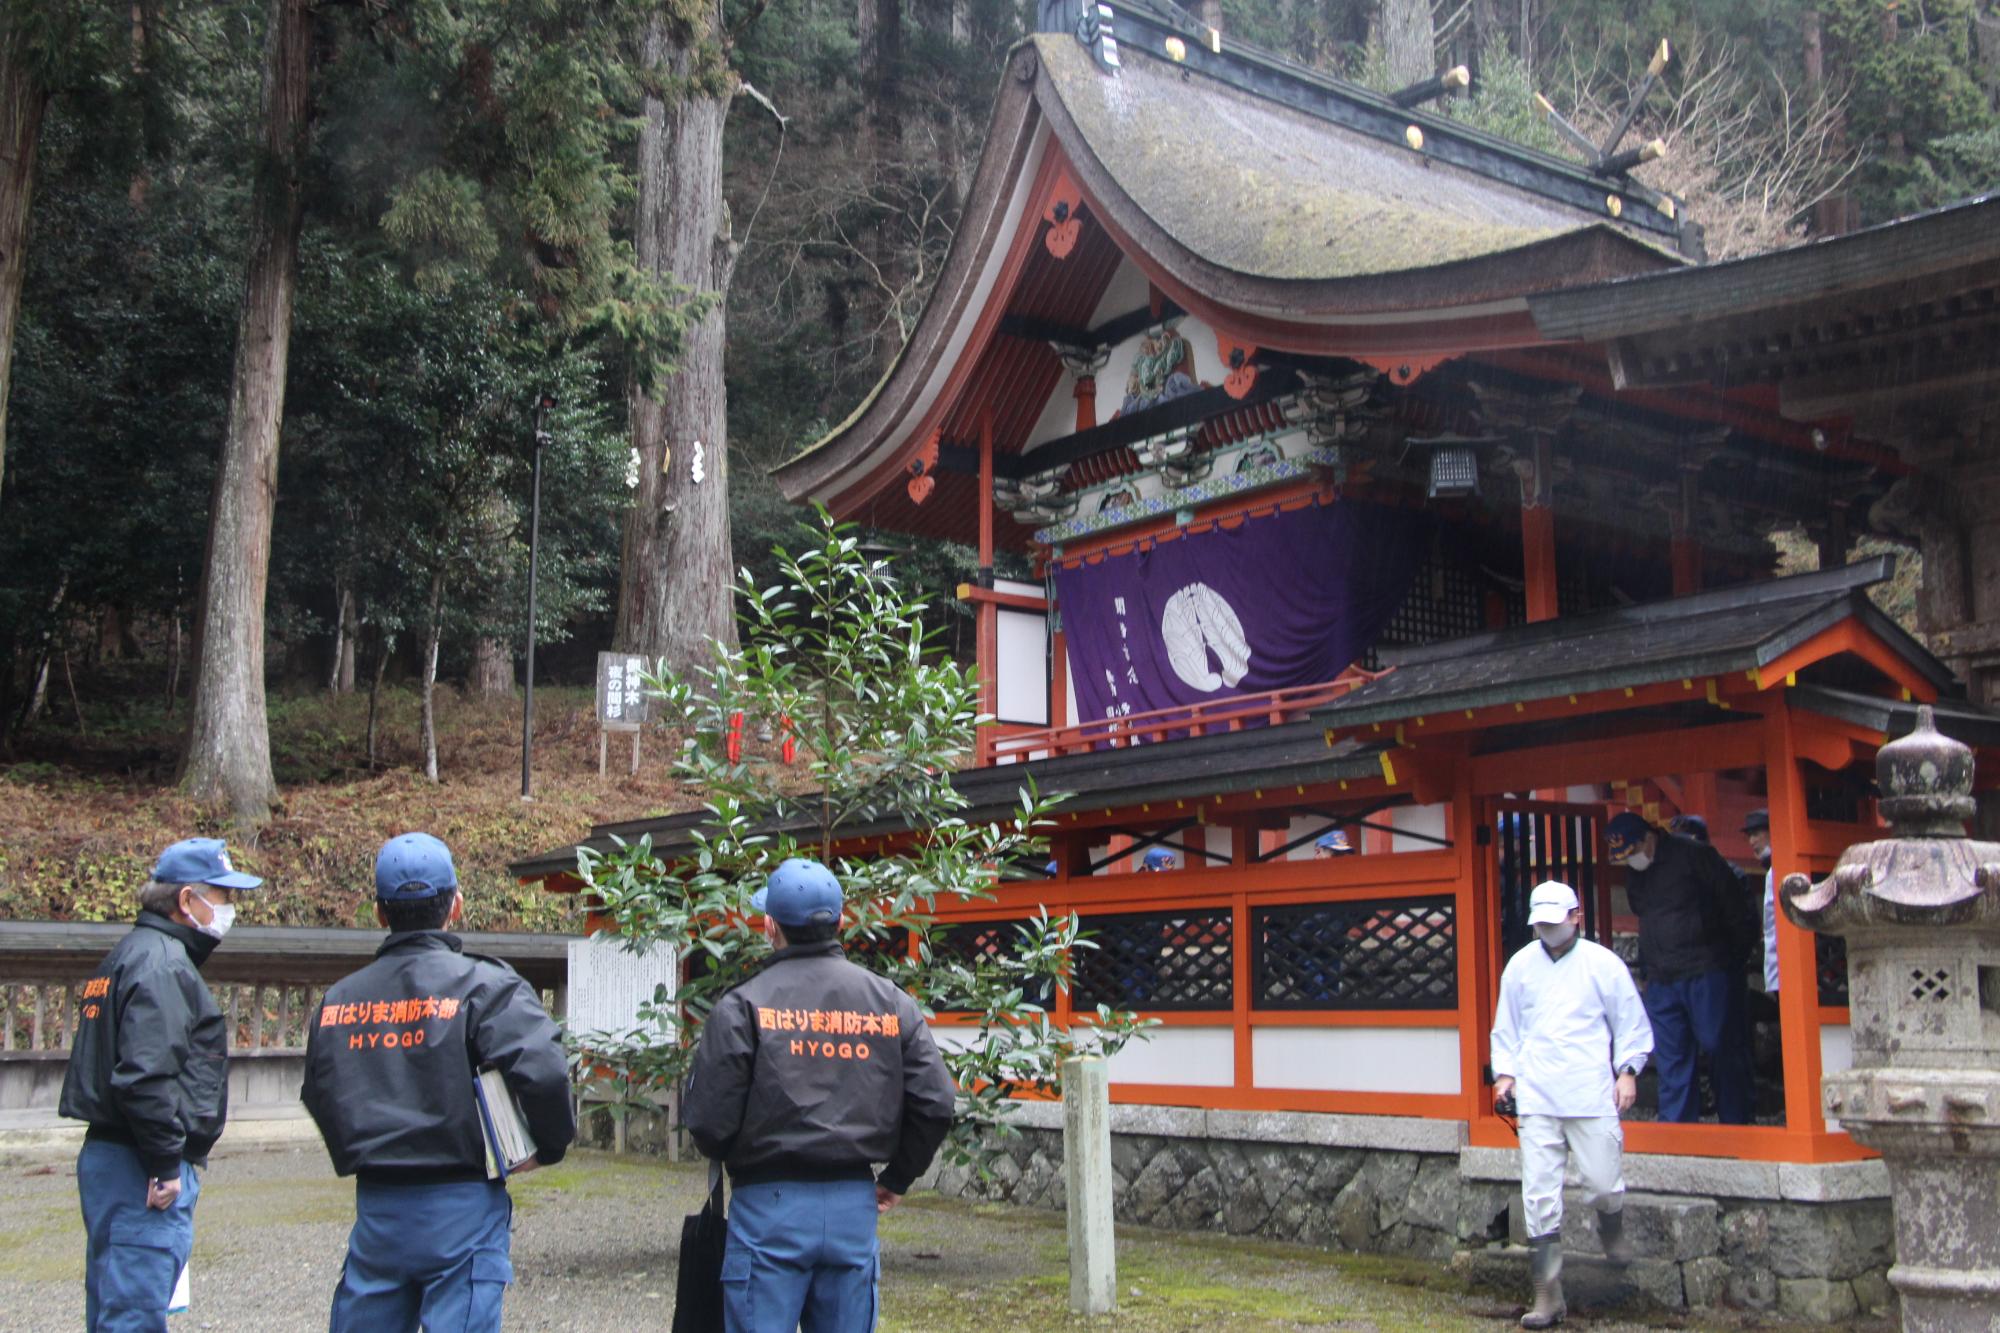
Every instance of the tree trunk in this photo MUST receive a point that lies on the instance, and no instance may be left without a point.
(1408, 41)
(433, 635)
(228, 757)
(22, 101)
(674, 582)
(350, 640)
(1486, 28)
(492, 668)
(375, 694)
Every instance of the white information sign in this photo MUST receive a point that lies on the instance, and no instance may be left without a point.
(608, 983)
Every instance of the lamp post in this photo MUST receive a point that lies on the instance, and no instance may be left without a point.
(542, 405)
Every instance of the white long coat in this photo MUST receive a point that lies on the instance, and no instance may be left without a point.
(1565, 1025)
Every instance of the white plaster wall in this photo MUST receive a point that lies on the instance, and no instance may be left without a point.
(1425, 819)
(1023, 667)
(1184, 1057)
(1356, 1059)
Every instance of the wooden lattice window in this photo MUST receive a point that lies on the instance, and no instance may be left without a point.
(1158, 960)
(1382, 954)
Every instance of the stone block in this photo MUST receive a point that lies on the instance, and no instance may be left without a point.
(1669, 1226)
(1198, 1207)
(1592, 1283)
(1705, 1281)
(1752, 1288)
(1381, 1132)
(1482, 1211)
(1387, 1176)
(1816, 1300)
(1331, 1171)
(1833, 1241)
(1432, 1200)
(1710, 1177)
(1153, 1188)
(1417, 1243)
(1746, 1235)
(1173, 1122)
(1353, 1216)
(1833, 1182)
(1873, 1293)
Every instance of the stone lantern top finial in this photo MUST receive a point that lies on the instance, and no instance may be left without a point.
(1926, 782)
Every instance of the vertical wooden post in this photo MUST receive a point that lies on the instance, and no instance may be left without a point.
(1798, 968)
(1093, 1257)
(1472, 927)
(1086, 401)
(1538, 537)
(988, 634)
(256, 1015)
(1242, 930)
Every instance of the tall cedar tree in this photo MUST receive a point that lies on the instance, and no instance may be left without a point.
(228, 755)
(673, 598)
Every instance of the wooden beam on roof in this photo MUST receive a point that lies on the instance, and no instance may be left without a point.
(1187, 410)
(1108, 334)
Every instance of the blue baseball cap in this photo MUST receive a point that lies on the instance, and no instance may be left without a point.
(1158, 858)
(1334, 841)
(1623, 835)
(201, 861)
(413, 866)
(1689, 826)
(800, 893)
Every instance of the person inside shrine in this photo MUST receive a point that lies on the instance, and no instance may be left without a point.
(1156, 860)
(1693, 936)
(1332, 844)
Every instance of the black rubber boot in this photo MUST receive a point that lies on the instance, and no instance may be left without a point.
(1611, 1235)
(1546, 1259)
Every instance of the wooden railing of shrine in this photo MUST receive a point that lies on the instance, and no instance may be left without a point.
(1004, 744)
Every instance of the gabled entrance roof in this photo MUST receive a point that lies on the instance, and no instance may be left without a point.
(1758, 633)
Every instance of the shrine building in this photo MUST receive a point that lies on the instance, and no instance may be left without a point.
(1370, 474)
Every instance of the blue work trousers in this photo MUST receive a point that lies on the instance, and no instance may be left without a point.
(1706, 1012)
(802, 1255)
(429, 1254)
(134, 1253)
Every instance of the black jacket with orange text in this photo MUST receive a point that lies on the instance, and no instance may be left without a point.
(150, 1062)
(815, 1069)
(394, 1049)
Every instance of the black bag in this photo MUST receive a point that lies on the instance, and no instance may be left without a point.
(698, 1287)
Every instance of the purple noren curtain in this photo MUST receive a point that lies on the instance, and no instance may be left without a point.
(1286, 599)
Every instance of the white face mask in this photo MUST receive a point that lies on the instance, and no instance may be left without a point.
(1555, 935)
(217, 925)
(1639, 861)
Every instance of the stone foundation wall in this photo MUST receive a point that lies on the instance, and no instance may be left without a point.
(1381, 1201)
(1815, 1248)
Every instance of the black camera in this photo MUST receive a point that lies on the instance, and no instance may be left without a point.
(1505, 1106)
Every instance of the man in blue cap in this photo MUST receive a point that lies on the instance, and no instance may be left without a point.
(1156, 860)
(1332, 843)
(807, 1075)
(1694, 931)
(148, 1072)
(390, 1068)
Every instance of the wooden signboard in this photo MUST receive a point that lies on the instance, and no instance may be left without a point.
(622, 702)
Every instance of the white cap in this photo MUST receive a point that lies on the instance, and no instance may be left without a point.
(1552, 901)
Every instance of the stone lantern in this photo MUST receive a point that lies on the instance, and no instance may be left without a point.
(1920, 911)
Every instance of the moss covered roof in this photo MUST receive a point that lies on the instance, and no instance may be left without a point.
(1269, 191)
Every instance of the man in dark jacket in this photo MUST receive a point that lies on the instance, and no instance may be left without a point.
(1693, 932)
(808, 1074)
(390, 1067)
(149, 1073)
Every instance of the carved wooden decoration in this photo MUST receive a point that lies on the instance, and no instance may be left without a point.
(1404, 370)
(1060, 212)
(1237, 358)
(923, 468)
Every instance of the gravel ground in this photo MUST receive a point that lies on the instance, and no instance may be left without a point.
(594, 1249)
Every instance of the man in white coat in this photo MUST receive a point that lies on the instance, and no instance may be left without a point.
(1568, 1043)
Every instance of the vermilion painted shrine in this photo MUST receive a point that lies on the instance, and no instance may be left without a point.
(1385, 476)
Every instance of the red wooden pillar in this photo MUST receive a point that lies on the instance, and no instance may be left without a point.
(1242, 838)
(987, 632)
(1086, 401)
(1798, 968)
